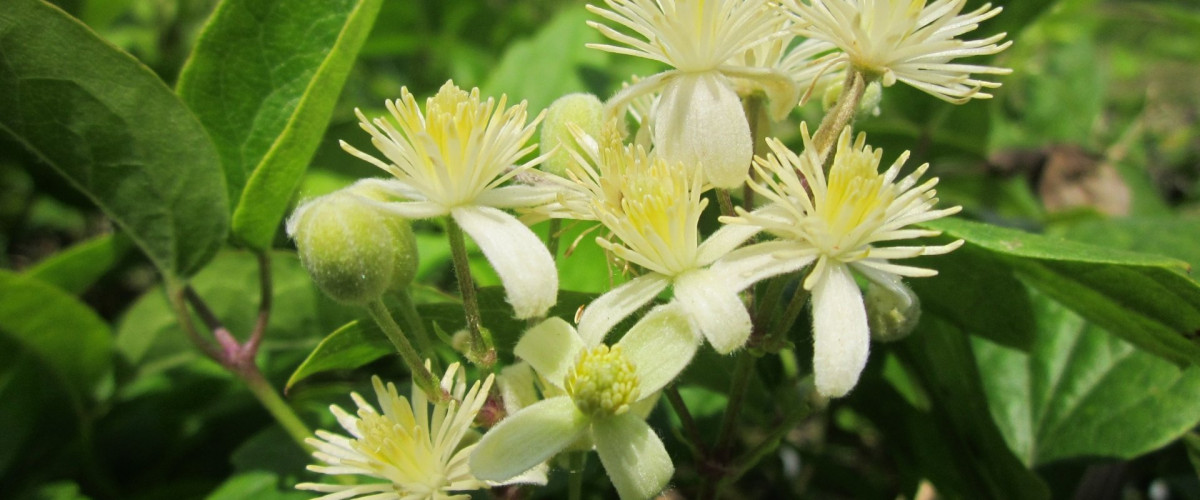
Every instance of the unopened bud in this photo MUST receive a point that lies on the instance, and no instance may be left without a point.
(893, 310)
(353, 251)
(867, 106)
(584, 111)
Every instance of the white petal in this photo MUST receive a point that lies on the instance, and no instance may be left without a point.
(609, 309)
(782, 92)
(841, 339)
(516, 196)
(715, 308)
(551, 347)
(408, 209)
(746, 266)
(723, 241)
(660, 346)
(527, 438)
(518, 256)
(516, 383)
(700, 121)
(633, 455)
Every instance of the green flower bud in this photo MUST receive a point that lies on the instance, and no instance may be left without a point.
(584, 111)
(892, 311)
(354, 251)
(867, 106)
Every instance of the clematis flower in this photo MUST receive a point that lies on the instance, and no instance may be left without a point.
(652, 206)
(699, 119)
(837, 223)
(416, 454)
(600, 386)
(454, 159)
(912, 41)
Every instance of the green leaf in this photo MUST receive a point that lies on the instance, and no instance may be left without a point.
(76, 268)
(977, 294)
(349, 347)
(956, 442)
(115, 131)
(1083, 392)
(149, 336)
(1141, 298)
(63, 332)
(263, 79)
(555, 55)
(260, 485)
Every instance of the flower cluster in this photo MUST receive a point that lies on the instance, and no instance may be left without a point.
(827, 212)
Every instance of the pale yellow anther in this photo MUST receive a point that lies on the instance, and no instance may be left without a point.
(603, 382)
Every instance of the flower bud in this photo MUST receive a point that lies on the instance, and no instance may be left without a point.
(867, 106)
(893, 310)
(584, 111)
(352, 250)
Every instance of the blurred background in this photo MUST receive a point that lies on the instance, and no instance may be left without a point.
(1095, 136)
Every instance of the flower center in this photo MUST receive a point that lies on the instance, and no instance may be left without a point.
(603, 382)
(856, 200)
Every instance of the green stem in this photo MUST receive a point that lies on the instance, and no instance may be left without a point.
(481, 351)
(689, 424)
(756, 116)
(742, 374)
(841, 115)
(740, 466)
(552, 237)
(271, 400)
(417, 325)
(578, 462)
(425, 380)
(726, 202)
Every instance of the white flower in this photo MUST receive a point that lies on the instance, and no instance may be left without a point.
(653, 206)
(836, 222)
(416, 453)
(452, 160)
(911, 41)
(600, 387)
(699, 119)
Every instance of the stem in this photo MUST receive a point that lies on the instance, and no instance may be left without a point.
(842, 113)
(689, 424)
(552, 237)
(275, 404)
(417, 325)
(184, 317)
(481, 351)
(742, 374)
(264, 303)
(745, 462)
(578, 461)
(757, 118)
(726, 202)
(425, 380)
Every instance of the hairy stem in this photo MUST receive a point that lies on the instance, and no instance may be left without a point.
(425, 380)
(841, 115)
(481, 351)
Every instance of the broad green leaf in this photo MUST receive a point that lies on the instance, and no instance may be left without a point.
(1172, 236)
(149, 336)
(977, 294)
(351, 346)
(1082, 392)
(260, 485)
(554, 55)
(263, 79)
(63, 332)
(20, 401)
(76, 268)
(115, 131)
(955, 441)
(1141, 298)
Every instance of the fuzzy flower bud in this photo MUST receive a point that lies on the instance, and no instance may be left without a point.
(892, 311)
(584, 111)
(352, 250)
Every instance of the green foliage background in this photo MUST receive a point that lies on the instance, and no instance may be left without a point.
(150, 143)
